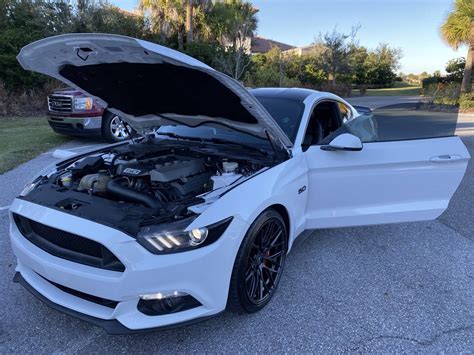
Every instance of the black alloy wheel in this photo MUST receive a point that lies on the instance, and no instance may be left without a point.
(259, 263)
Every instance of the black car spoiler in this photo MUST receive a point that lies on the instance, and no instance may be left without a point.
(362, 109)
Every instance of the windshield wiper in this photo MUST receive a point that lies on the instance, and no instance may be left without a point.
(214, 140)
(236, 144)
(177, 136)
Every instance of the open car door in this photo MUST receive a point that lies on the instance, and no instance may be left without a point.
(409, 172)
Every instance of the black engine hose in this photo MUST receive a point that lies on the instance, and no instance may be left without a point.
(131, 195)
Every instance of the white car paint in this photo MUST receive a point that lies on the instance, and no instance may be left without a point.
(385, 182)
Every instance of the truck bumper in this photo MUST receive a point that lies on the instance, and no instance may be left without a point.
(78, 126)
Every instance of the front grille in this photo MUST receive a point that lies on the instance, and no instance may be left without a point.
(58, 103)
(67, 245)
(85, 296)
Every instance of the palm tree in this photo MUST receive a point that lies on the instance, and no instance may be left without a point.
(168, 17)
(234, 23)
(189, 20)
(457, 30)
(191, 5)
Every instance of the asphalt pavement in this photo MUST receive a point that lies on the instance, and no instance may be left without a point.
(391, 288)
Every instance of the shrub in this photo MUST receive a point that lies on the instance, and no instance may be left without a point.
(429, 81)
(466, 102)
(447, 94)
(338, 89)
(28, 102)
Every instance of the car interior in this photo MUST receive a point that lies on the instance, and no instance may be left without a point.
(324, 120)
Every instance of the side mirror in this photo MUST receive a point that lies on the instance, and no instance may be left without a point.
(345, 141)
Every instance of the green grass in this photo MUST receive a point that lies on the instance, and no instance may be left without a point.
(23, 138)
(400, 89)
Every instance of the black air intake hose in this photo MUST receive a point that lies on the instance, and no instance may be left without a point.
(131, 195)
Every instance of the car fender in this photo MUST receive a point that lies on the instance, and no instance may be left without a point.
(285, 184)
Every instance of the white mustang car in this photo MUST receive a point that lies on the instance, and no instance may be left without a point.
(201, 212)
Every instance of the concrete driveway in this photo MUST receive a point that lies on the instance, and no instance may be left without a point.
(392, 288)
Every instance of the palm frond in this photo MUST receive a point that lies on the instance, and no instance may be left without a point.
(459, 25)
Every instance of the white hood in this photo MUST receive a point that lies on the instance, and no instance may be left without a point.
(149, 85)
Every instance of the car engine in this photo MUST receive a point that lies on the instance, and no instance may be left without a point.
(166, 180)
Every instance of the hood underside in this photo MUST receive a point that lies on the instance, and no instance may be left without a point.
(149, 85)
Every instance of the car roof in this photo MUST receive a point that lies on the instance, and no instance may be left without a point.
(298, 94)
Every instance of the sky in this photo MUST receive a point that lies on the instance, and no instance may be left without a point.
(412, 25)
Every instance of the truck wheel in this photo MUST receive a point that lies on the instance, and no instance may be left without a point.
(114, 129)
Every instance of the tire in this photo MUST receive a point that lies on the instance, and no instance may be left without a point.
(261, 259)
(113, 129)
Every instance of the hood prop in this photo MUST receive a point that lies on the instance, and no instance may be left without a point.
(274, 148)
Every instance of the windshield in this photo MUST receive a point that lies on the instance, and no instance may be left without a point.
(206, 132)
(286, 112)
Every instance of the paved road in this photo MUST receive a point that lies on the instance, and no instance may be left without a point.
(378, 101)
(394, 288)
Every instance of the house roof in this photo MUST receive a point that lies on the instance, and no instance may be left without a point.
(263, 45)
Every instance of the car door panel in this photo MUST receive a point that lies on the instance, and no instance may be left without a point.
(386, 182)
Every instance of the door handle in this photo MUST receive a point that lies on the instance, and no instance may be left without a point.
(447, 158)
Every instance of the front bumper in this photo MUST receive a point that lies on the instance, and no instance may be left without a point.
(82, 126)
(202, 273)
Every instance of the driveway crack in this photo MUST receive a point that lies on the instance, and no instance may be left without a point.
(424, 343)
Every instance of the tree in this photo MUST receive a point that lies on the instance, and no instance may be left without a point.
(194, 8)
(455, 69)
(359, 65)
(25, 21)
(457, 30)
(273, 69)
(234, 23)
(168, 18)
(177, 18)
(336, 55)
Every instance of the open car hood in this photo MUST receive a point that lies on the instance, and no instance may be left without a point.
(149, 85)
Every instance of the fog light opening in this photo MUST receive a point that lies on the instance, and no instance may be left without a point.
(163, 303)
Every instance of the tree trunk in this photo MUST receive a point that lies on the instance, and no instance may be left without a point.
(466, 85)
(189, 21)
(180, 39)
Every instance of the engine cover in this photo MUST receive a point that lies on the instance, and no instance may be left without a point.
(176, 169)
(134, 169)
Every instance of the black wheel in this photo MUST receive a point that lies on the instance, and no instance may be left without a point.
(114, 129)
(259, 263)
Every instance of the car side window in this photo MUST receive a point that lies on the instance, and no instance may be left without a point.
(363, 126)
(324, 121)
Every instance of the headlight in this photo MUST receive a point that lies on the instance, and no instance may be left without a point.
(83, 103)
(172, 237)
(48, 171)
(30, 186)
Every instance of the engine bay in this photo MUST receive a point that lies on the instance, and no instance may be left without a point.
(149, 182)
